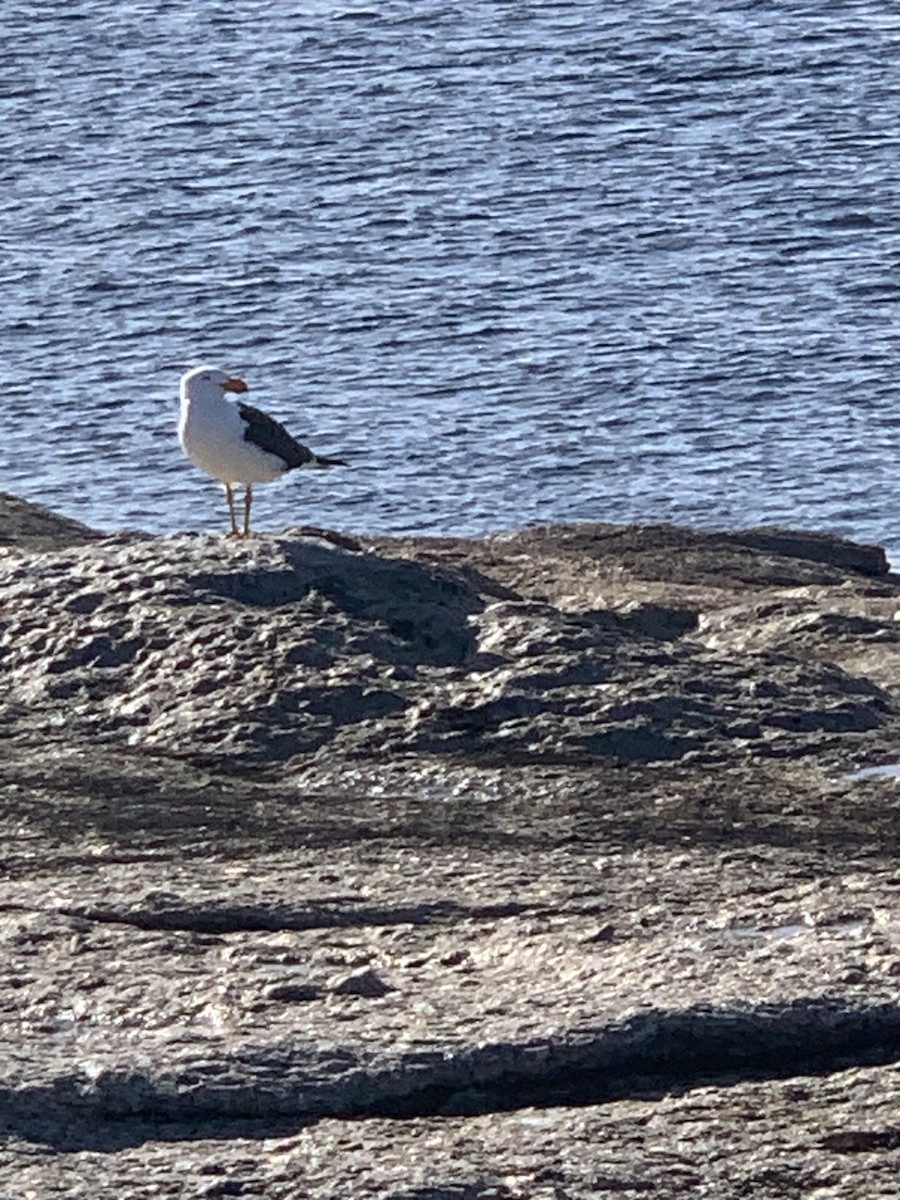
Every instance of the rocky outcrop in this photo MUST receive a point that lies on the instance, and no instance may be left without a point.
(261, 651)
(33, 527)
(209, 649)
(526, 866)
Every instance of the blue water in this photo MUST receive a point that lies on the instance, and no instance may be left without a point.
(551, 261)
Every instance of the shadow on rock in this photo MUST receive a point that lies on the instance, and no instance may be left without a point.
(257, 1090)
(422, 606)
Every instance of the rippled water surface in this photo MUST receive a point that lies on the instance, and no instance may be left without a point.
(519, 262)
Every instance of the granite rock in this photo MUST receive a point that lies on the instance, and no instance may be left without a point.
(525, 866)
(263, 650)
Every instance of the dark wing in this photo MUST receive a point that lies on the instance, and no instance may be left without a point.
(270, 435)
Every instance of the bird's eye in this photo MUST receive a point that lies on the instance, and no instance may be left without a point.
(206, 377)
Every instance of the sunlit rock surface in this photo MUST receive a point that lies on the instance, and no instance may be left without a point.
(537, 851)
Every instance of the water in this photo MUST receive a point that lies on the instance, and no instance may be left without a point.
(549, 261)
(885, 771)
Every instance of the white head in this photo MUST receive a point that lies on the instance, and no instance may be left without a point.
(209, 383)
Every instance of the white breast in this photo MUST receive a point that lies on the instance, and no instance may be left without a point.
(212, 436)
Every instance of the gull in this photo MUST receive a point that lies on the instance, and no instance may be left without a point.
(235, 442)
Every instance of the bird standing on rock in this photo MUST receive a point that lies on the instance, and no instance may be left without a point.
(236, 443)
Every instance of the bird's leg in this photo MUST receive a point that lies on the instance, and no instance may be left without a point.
(229, 496)
(248, 500)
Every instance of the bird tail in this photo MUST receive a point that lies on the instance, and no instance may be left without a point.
(321, 461)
